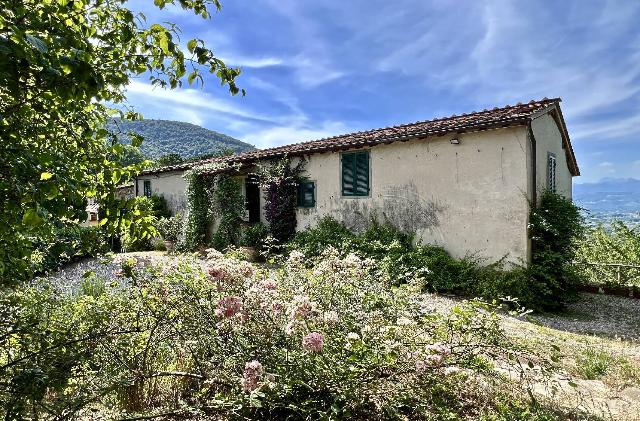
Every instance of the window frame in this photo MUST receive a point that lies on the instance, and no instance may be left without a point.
(552, 173)
(300, 195)
(355, 193)
(146, 188)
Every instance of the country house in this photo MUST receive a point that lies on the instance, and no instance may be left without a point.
(463, 182)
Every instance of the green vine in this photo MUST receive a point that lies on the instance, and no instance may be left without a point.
(212, 194)
(228, 207)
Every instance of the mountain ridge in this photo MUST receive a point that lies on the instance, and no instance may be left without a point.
(163, 137)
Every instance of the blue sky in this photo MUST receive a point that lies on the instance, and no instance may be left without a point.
(318, 68)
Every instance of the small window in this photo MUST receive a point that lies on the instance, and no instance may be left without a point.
(551, 172)
(355, 174)
(306, 194)
(147, 188)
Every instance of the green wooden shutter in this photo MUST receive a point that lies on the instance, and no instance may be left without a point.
(362, 174)
(355, 174)
(348, 174)
(306, 194)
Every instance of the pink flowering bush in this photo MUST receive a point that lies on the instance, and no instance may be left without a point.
(327, 340)
(313, 342)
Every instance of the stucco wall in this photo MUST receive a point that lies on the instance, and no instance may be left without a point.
(549, 140)
(171, 185)
(469, 198)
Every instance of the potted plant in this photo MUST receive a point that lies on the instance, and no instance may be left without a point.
(169, 229)
(252, 239)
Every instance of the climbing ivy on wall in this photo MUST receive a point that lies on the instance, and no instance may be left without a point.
(211, 193)
(228, 207)
(279, 180)
(196, 222)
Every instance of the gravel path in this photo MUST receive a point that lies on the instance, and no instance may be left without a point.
(70, 278)
(598, 314)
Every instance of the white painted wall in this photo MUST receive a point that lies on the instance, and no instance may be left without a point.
(171, 185)
(549, 140)
(469, 198)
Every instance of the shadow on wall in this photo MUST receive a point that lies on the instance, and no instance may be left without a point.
(401, 206)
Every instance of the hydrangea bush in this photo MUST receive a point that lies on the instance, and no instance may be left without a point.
(328, 340)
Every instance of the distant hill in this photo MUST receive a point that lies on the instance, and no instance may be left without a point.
(610, 198)
(162, 137)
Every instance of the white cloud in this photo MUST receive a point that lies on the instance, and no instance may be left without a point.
(283, 135)
(252, 62)
(191, 98)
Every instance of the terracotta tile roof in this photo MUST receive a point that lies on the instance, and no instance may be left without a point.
(510, 115)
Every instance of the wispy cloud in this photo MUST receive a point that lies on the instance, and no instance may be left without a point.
(280, 135)
(138, 91)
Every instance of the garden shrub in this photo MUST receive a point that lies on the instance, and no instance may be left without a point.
(235, 341)
(546, 284)
(555, 228)
(160, 207)
(65, 245)
(137, 237)
(254, 236)
(618, 243)
(326, 233)
(169, 228)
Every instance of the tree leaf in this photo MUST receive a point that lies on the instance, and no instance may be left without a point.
(31, 218)
(45, 176)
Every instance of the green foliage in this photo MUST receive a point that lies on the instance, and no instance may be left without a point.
(171, 142)
(555, 227)
(228, 207)
(197, 221)
(168, 159)
(137, 236)
(160, 208)
(254, 236)
(170, 228)
(619, 243)
(65, 245)
(279, 180)
(63, 69)
(593, 364)
(334, 341)
(392, 250)
(327, 232)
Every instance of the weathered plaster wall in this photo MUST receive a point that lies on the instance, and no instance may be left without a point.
(469, 198)
(549, 140)
(171, 185)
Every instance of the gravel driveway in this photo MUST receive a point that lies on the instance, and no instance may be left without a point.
(597, 314)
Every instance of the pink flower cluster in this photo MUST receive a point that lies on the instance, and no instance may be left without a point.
(301, 307)
(313, 342)
(216, 273)
(229, 306)
(252, 372)
(438, 354)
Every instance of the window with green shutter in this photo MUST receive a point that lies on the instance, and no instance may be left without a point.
(355, 173)
(147, 188)
(306, 194)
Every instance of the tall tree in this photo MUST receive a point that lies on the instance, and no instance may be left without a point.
(64, 68)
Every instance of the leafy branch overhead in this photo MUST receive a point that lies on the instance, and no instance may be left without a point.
(64, 69)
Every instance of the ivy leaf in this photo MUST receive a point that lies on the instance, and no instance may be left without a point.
(31, 218)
